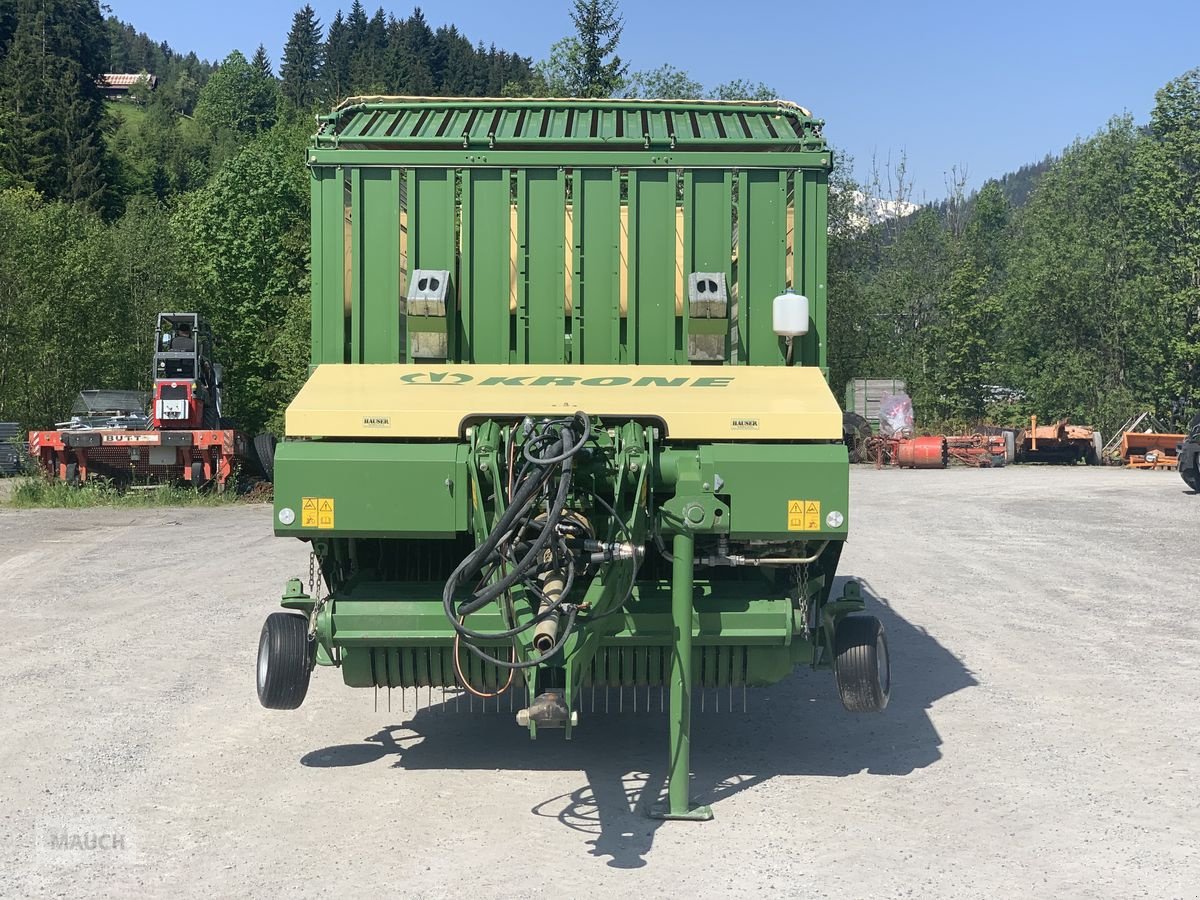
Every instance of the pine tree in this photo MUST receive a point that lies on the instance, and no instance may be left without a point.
(368, 60)
(262, 63)
(335, 73)
(52, 102)
(598, 28)
(301, 68)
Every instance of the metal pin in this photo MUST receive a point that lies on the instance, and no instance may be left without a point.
(376, 698)
(606, 698)
(621, 699)
(634, 693)
(662, 699)
(702, 693)
(389, 697)
(731, 696)
(743, 698)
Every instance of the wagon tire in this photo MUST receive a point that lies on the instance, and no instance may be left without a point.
(264, 449)
(862, 664)
(285, 659)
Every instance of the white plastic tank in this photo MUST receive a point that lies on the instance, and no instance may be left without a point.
(789, 314)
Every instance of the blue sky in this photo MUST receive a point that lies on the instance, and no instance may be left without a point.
(982, 87)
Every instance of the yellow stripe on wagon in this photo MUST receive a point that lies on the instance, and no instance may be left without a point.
(736, 403)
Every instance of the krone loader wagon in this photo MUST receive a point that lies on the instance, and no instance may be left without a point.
(567, 426)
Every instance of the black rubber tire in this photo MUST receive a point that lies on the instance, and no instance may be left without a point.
(197, 475)
(856, 431)
(1191, 477)
(264, 449)
(284, 661)
(862, 665)
(1189, 466)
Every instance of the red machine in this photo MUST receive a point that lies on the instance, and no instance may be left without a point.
(111, 435)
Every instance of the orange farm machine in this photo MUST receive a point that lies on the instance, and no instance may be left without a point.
(180, 437)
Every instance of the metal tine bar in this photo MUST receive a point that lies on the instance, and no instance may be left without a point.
(743, 696)
(376, 698)
(389, 697)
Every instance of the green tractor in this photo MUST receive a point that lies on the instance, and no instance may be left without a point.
(567, 425)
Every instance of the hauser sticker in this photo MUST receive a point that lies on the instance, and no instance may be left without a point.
(744, 424)
(377, 422)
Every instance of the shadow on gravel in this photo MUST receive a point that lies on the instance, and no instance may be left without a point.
(796, 727)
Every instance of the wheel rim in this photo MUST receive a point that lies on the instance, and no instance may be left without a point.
(264, 654)
(883, 671)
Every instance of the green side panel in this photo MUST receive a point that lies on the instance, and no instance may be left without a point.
(485, 270)
(708, 237)
(376, 489)
(762, 264)
(809, 242)
(597, 289)
(654, 335)
(763, 480)
(375, 276)
(541, 250)
(432, 242)
(328, 300)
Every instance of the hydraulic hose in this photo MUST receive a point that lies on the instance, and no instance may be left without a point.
(549, 452)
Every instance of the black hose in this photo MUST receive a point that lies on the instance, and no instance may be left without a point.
(559, 438)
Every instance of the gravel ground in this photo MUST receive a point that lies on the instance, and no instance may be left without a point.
(1042, 736)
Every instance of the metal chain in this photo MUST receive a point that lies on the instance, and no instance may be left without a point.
(313, 584)
(804, 598)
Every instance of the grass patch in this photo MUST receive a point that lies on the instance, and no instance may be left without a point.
(43, 494)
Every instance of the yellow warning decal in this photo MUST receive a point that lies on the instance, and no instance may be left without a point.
(804, 515)
(316, 512)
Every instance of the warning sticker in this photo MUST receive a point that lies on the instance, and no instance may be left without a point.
(316, 512)
(325, 512)
(804, 515)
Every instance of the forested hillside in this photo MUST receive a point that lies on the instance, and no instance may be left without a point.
(1071, 287)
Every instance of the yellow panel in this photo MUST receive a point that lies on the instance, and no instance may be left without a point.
(738, 403)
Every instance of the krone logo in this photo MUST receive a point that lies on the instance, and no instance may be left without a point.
(436, 378)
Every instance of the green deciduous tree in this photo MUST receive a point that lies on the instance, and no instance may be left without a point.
(1167, 215)
(665, 82)
(739, 89)
(246, 236)
(238, 99)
